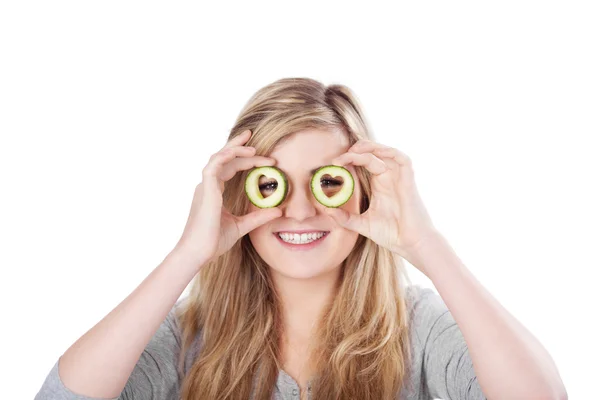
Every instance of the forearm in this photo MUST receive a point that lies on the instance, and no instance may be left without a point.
(100, 362)
(510, 363)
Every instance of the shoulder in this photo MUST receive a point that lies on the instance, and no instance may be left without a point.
(426, 311)
(421, 299)
(174, 326)
(169, 332)
(166, 342)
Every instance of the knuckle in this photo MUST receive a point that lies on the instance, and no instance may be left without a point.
(208, 170)
(225, 153)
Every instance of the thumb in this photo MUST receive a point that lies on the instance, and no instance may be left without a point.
(256, 218)
(347, 220)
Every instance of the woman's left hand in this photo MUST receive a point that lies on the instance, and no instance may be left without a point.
(396, 218)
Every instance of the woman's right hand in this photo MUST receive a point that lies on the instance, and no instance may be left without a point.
(211, 230)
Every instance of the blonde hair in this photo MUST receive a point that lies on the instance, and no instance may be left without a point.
(363, 349)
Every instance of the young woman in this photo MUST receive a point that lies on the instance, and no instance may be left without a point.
(324, 315)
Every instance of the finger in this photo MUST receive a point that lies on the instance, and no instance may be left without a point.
(364, 145)
(395, 154)
(240, 164)
(368, 160)
(254, 219)
(351, 221)
(367, 146)
(211, 170)
(392, 157)
(239, 139)
(217, 160)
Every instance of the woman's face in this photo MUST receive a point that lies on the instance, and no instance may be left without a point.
(297, 156)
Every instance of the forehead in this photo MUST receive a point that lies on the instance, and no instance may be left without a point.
(310, 148)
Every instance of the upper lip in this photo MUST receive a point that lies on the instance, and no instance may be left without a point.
(301, 231)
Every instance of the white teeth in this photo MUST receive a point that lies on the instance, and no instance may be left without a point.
(303, 238)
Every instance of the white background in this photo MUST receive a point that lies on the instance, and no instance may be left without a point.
(110, 110)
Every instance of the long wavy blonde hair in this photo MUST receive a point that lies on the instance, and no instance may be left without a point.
(363, 347)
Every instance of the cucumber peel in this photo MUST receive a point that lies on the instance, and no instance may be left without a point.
(253, 190)
(342, 196)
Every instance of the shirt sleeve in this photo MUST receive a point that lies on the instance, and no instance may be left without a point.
(447, 367)
(153, 377)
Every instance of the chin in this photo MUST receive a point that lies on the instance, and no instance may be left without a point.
(315, 261)
(300, 270)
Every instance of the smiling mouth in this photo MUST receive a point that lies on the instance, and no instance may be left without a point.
(301, 239)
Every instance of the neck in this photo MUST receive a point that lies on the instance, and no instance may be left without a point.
(303, 302)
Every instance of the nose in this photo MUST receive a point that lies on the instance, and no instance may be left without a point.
(299, 204)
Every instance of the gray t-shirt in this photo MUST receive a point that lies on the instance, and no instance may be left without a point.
(441, 368)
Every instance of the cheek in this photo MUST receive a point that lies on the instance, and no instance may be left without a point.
(260, 241)
(258, 235)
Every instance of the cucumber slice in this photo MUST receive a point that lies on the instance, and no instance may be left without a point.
(334, 196)
(273, 176)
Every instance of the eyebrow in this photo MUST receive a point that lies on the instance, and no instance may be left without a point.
(310, 173)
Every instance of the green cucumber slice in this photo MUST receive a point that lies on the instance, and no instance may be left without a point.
(253, 190)
(342, 195)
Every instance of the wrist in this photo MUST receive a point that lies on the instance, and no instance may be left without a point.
(419, 251)
(186, 259)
